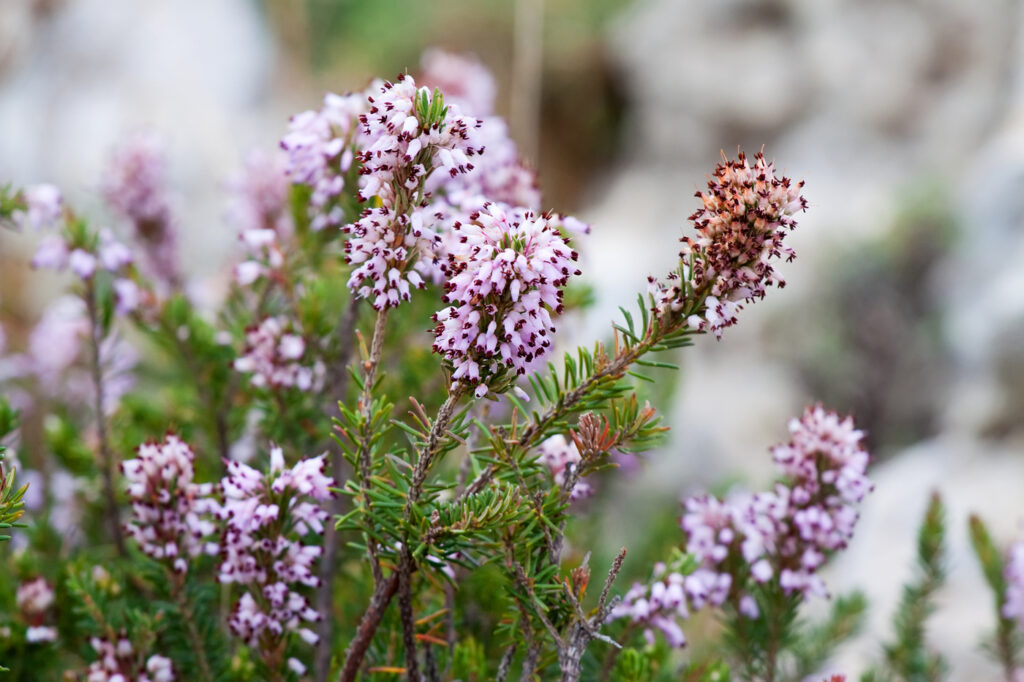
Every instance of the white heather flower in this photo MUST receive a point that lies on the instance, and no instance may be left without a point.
(119, 662)
(170, 512)
(44, 206)
(260, 552)
(274, 356)
(506, 275)
(159, 668)
(40, 633)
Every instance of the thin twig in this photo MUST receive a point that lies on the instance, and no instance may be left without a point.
(329, 564)
(194, 638)
(106, 455)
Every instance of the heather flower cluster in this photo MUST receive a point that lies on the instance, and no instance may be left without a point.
(506, 274)
(135, 188)
(259, 210)
(266, 516)
(319, 149)
(56, 253)
(747, 211)
(783, 536)
(34, 599)
(659, 605)
(120, 662)
(562, 456)
(170, 512)
(275, 355)
(408, 134)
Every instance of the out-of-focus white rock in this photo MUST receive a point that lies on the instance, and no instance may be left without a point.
(973, 477)
(85, 73)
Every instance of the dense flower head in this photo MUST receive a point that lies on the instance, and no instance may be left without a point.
(659, 605)
(119, 662)
(384, 246)
(135, 187)
(266, 515)
(463, 79)
(561, 456)
(170, 511)
(259, 211)
(44, 206)
(745, 215)
(319, 148)
(1013, 572)
(276, 357)
(506, 274)
(403, 145)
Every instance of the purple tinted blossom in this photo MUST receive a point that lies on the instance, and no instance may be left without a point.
(657, 606)
(463, 79)
(135, 188)
(170, 512)
(113, 255)
(746, 214)
(791, 531)
(43, 206)
(52, 253)
(561, 456)
(82, 263)
(259, 210)
(319, 152)
(1013, 572)
(258, 551)
(506, 276)
(119, 662)
(275, 355)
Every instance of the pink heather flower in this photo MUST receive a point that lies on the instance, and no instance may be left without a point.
(82, 263)
(562, 456)
(463, 79)
(786, 534)
(319, 149)
(113, 255)
(745, 216)
(657, 606)
(135, 188)
(266, 515)
(170, 512)
(275, 355)
(34, 597)
(399, 150)
(43, 206)
(119, 662)
(259, 210)
(506, 278)
(1013, 572)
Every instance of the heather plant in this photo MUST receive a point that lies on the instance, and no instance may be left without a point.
(369, 455)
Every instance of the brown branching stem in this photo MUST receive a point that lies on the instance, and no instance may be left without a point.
(107, 464)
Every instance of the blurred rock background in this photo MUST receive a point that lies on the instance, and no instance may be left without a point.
(906, 117)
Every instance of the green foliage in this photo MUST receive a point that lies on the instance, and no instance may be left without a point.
(816, 643)
(1004, 644)
(908, 657)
